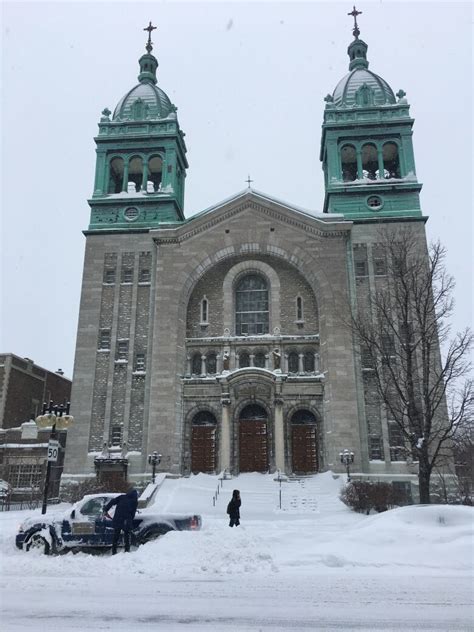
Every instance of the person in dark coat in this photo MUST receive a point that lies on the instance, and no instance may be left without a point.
(233, 509)
(126, 508)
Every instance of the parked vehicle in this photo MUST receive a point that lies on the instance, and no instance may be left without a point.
(84, 527)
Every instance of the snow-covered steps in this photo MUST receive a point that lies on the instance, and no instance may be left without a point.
(316, 496)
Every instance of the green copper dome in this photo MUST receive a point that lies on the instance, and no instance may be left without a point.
(144, 101)
(362, 87)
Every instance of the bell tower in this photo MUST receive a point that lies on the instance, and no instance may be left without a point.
(366, 144)
(141, 158)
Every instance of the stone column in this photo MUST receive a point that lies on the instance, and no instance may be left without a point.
(188, 366)
(125, 176)
(360, 170)
(381, 166)
(279, 436)
(251, 357)
(317, 366)
(225, 434)
(203, 366)
(300, 363)
(144, 186)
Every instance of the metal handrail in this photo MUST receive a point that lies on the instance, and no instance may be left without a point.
(219, 486)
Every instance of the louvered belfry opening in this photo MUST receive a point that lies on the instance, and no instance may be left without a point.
(253, 449)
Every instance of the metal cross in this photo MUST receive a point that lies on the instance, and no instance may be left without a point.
(248, 181)
(149, 28)
(355, 13)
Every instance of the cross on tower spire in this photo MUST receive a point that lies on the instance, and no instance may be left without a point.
(354, 13)
(149, 45)
(248, 181)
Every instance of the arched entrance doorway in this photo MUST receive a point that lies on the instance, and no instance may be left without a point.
(253, 450)
(203, 443)
(304, 442)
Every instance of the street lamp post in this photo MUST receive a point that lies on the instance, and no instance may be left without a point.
(58, 418)
(346, 459)
(154, 459)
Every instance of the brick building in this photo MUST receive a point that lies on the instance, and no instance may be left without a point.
(218, 340)
(24, 387)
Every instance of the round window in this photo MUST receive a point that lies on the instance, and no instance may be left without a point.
(131, 214)
(374, 202)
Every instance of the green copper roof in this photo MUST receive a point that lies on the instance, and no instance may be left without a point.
(361, 87)
(146, 100)
(155, 103)
(348, 89)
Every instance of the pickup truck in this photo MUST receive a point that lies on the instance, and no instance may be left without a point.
(83, 527)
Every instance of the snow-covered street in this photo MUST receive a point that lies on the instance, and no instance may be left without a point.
(313, 565)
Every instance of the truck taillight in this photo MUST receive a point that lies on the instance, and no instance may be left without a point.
(194, 522)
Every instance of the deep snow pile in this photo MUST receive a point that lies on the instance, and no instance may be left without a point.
(311, 532)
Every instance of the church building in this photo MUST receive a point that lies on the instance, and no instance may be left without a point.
(219, 340)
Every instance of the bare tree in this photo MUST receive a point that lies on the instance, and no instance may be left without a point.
(426, 394)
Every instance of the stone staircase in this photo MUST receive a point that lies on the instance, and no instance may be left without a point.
(310, 494)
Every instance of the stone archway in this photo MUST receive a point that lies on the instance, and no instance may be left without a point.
(304, 443)
(203, 443)
(253, 443)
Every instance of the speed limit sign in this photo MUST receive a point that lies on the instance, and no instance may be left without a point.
(53, 450)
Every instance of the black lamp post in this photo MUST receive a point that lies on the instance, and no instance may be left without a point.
(57, 416)
(346, 459)
(154, 459)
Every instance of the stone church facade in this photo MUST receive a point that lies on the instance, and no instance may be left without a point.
(221, 341)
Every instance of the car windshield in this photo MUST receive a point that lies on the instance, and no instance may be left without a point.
(93, 507)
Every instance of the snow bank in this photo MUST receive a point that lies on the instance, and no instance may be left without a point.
(313, 532)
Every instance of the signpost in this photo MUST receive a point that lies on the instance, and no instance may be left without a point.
(57, 417)
(53, 450)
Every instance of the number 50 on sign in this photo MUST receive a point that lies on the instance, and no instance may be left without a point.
(53, 450)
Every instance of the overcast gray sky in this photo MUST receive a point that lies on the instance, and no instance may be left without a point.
(249, 81)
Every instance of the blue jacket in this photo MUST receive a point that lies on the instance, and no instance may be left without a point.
(125, 511)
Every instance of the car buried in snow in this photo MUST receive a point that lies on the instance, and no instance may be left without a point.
(83, 527)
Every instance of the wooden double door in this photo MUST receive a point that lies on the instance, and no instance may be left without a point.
(304, 448)
(253, 445)
(203, 449)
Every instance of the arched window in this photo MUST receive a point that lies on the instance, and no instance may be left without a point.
(370, 161)
(308, 362)
(349, 163)
(211, 364)
(259, 360)
(204, 418)
(293, 362)
(251, 306)
(196, 364)
(299, 308)
(115, 175)
(155, 169)
(364, 95)
(135, 172)
(303, 417)
(253, 411)
(139, 109)
(391, 161)
(204, 311)
(244, 360)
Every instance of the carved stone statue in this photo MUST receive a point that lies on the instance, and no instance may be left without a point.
(276, 359)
